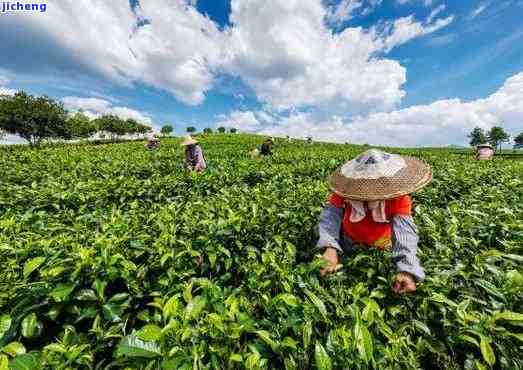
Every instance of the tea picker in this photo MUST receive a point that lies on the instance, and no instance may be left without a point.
(370, 207)
(484, 152)
(153, 142)
(266, 148)
(194, 158)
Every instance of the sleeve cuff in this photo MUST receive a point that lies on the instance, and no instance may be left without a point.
(416, 272)
(331, 243)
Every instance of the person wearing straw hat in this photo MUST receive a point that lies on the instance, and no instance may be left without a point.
(484, 152)
(266, 148)
(194, 157)
(370, 206)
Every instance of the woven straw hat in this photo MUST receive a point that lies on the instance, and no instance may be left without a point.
(377, 175)
(188, 140)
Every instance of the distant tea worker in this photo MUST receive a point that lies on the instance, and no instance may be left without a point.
(153, 142)
(266, 148)
(194, 158)
(370, 207)
(484, 152)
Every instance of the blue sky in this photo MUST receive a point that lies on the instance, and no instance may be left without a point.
(378, 71)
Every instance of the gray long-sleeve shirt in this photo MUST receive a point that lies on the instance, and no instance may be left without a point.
(194, 158)
(404, 239)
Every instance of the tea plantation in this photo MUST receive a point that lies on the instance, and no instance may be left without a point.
(114, 257)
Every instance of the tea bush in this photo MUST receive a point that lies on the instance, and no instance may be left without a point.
(115, 257)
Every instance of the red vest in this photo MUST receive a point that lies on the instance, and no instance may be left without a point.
(367, 232)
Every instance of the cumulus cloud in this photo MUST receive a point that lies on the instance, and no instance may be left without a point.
(166, 44)
(95, 107)
(441, 123)
(282, 49)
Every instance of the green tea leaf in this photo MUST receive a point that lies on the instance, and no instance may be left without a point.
(24, 362)
(170, 308)
(508, 316)
(149, 333)
(487, 351)
(88, 295)
(289, 299)
(14, 349)
(363, 342)
(236, 357)
(62, 292)
(288, 342)
(31, 327)
(318, 303)
(307, 333)
(56, 347)
(266, 337)
(32, 265)
(131, 346)
(5, 324)
(518, 336)
(321, 357)
(422, 327)
(195, 307)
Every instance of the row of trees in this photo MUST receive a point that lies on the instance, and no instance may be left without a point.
(40, 118)
(496, 136)
(207, 130)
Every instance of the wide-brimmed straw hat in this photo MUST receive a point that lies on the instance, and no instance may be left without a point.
(188, 140)
(376, 175)
(485, 145)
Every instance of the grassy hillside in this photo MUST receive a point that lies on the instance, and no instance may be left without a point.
(115, 257)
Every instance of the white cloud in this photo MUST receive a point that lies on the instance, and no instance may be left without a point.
(426, 3)
(406, 29)
(5, 78)
(87, 104)
(7, 91)
(441, 123)
(435, 12)
(477, 11)
(343, 11)
(247, 121)
(175, 50)
(95, 107)
(285, 52)
(282, 49)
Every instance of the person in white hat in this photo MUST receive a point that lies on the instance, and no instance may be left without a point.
(484, 152)
(194, 157)
(370, 207)
(152, 141)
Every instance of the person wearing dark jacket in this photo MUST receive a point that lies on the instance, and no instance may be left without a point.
(266, 148)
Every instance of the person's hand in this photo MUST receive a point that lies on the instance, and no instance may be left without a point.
(404, 283)
(331, 257)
